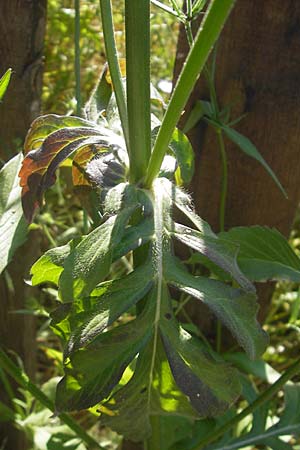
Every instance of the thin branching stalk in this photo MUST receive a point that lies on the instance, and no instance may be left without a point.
(224, 181)
(204, 41)
(137, 24)
(263, 398)
(113, 63)
(22, 379)
(77, 57)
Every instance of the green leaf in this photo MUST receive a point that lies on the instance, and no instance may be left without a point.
(194, 116)
(264, 254)
(85, 383)
(258, 368)
(289, 424)
(184, 153)
(235, 308)
(89, 262)
(99, 99)
(249, 148)
(210, 384)
(90, 316)
(6, 414)
(13, 227)
(221, 252)
(128, 411)
(4, 82)
(48, 268)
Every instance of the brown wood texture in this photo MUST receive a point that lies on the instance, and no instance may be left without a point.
(258, 74)
(22, 28)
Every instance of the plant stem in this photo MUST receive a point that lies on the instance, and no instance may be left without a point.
(265, 396)
(22, 379)
(224, 185)
(113, 64)
(154, 442)
(137, 25)
(164, 7)
(77, 57)
(207, 35)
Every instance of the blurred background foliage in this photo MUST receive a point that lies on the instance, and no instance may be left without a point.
(59, 78)
(62, 217)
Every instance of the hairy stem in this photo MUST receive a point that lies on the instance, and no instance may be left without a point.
(137, 25)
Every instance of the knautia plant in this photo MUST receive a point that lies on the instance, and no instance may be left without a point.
(148, 365)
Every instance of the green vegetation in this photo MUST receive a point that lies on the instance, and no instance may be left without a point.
(126, 360)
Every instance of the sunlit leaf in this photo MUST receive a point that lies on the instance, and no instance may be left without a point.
(4, 82)
(13, 227)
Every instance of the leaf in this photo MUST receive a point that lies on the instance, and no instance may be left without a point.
(182, 150)
(264, 254)
(85, 384)
(258, 368)
(235, 308)
(38, 168)
(184, 153)
(89, 262)
(100, 97)
(249, 148)
(221, 252)
(128, 410)
(6, 414)
(289, 424)
(194, 116)
(50, 141)
(174, 373)
(43, 126)
(13, 227)
(211, 385)
(48, 268)
(88, 317)
(4, 82)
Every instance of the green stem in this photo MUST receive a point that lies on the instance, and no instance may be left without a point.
(189, 33)
(224, 181)
(22, 379)
(265, 396)
(137, 25)
(77, 57)
(154, 442)
(113, 63)
(164, 7)
(207, 35)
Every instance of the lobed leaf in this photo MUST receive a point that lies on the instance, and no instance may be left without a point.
(39, 166)
(89, 262)
(85, 383)
(235, 308)
(220, 251)
(128, 411)
(88, 317)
